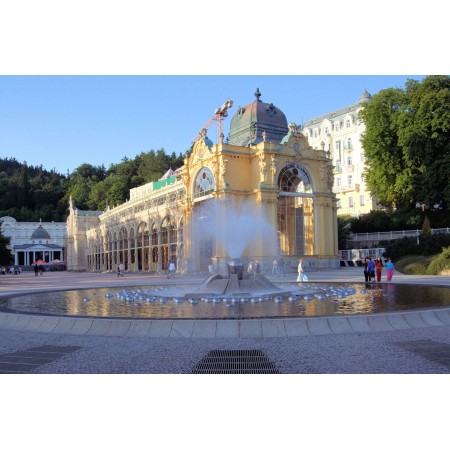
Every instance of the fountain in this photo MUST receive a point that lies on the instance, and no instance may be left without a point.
(231, 292)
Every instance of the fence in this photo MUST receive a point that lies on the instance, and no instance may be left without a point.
(350, 257)
(390, 235)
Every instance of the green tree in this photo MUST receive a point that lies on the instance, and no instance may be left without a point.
(426, 228)
(81, 182)
(407, 144)
(5, 253)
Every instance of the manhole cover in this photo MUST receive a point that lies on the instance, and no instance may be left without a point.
(235, 361)
(431, 350)
(25, 361)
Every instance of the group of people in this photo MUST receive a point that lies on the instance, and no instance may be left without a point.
(254, 267)
(16, 270)
(373, 269)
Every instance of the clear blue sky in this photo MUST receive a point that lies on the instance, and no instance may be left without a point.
(64, 121)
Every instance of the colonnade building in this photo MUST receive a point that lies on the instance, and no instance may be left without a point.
(264, 192)
(30, 241)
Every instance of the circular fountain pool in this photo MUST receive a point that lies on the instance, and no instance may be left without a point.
(172, 302)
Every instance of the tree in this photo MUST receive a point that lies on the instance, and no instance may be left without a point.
(426, 228)
(407, 144)
(5, 253)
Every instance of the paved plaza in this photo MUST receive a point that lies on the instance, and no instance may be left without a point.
(411, 342)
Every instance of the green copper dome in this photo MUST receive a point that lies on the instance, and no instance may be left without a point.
(40, 233)
(250, 122)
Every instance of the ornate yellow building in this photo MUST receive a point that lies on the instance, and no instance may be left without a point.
(262, 193)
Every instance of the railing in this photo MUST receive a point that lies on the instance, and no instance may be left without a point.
(359, 254)
(390, 235)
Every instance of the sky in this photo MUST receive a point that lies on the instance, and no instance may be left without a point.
(61, 121)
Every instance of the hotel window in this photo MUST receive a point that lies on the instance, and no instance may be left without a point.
(347, 124)
(350, 202)
(349, 161)
(349, 143)
(338, 182)
(326, 130)
(339, 203)
(350, 180)
(361, 200)
(338, 150)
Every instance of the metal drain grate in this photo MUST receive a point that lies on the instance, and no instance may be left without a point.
(26, 361)
(431, 350)
(235, 362)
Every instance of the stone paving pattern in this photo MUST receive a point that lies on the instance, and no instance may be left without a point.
(414, 342)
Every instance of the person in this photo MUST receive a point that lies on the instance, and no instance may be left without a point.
(172, 270)
(211, 269)
(371, 269)
(41, 269)
(281, 268)
(257, 267)
(366, 271)
(389, 269)
(121, 270)
(301, 271)
(250, 268)
(36, 270)
(275, 267)
(378, 268)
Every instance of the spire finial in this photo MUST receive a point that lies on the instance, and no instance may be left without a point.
(257, 94)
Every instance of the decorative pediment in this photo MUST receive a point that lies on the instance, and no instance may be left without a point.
(202, 149)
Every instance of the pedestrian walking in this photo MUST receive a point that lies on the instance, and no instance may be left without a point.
(257, 267)
(378, 268)
(172, 270)
(366, 271)
(251, 268)
(275, 268)
(301, 271)
(389, 269)
(281, 268)
(371, 269)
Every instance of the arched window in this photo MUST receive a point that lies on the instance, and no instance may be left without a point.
(204, 183)
(295, 215)
(293, 178)
(168, 241)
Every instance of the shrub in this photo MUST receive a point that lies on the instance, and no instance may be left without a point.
(429, 244)
(413, 265)
(440, 263)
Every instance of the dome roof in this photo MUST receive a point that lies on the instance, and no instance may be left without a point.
(249, 122)
(365, 97)
(40, 233)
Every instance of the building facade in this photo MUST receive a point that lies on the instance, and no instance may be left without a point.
(262, 193)
(339, 134)
(34, 240)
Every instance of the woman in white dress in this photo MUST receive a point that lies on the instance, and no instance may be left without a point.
(301, 272)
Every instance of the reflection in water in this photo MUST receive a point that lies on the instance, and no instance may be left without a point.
(315, 299)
